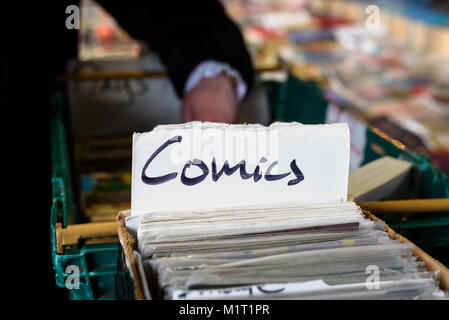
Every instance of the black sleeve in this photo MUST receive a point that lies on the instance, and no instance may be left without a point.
(184, 33)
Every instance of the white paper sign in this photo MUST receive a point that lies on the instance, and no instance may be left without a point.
(255, 291)
(209, 165)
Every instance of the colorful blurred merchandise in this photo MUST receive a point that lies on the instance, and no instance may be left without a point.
(103, 195)
(265, 24)
(394, 131)
(408, 95)
(104, 181)
(437, 132)
(440, 160)
(397, 90)
(268, 25)
(100, 36)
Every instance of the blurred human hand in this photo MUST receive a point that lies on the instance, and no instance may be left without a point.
(212, 99)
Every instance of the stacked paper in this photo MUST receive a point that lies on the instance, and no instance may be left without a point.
(315, 251)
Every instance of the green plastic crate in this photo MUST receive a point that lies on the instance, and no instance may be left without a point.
(97, 263)
(297, 100)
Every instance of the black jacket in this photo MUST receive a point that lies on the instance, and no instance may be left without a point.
(184, 33)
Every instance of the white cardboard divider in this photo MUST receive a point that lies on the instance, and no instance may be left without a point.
(208, 165)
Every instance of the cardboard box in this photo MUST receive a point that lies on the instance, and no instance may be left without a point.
(128, 241)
